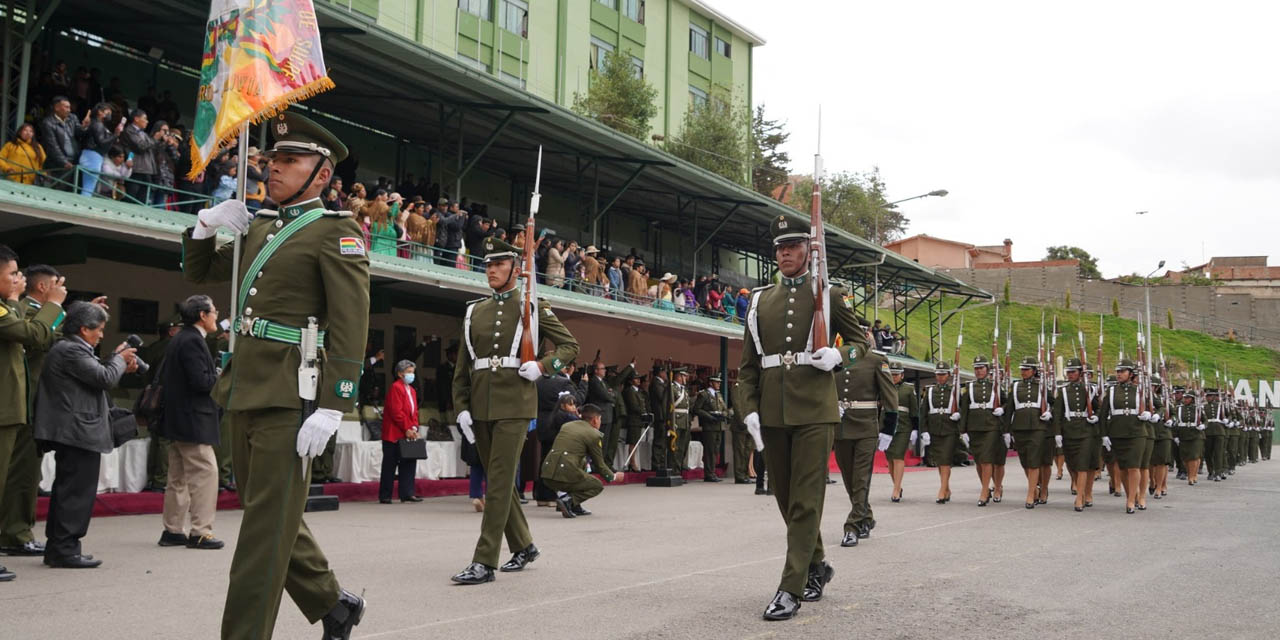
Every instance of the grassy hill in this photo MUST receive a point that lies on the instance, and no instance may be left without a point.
(1181, 347)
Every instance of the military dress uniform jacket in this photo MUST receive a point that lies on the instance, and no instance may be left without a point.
(567, 460)
(1185, 426)
(977, 407)
(864, 388)
(36, 353)
(1213, 425)
(659, 403)
(711, 410)
(1161, 432)
(682, 404)
(1070, 412)
(1022, 406)
(936, 408)
(1119, 412)
(321, 271)
(486, 381)
(778, 328)
(17, 334)
(908, 407)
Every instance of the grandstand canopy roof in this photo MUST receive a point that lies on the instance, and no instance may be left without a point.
(418, 86)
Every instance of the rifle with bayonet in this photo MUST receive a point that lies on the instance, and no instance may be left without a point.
(1084, 364)
(995, 359)
(818, 253)
(529, 306)
(1052, 370)
(1044, 404)
(955, 371)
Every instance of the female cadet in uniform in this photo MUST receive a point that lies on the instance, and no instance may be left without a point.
(982, 427)
(1073, 420)
(940, 428)
(1124, 432)
(908, 430)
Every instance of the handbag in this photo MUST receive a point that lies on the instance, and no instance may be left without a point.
(412, 449)
(124, 426)
(148, 409)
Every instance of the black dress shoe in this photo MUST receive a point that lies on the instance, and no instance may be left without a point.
(578, 510)
(73, 562)
(1031, 505)
(521, 559)
(7, 575)
(863, 531)
(204, 542)
(743, 481)
(1078, 509)
(711, 479)
(475, 573)
(411, 499)
(171, 539)
(830, 480)
(783, 607)
(344, 616)
(28, 548)
(230, 486)
(819, 576)
(1088, 504)
(564, 504)
(760, 491)
(850, 539)
(523, 500)
(384, 500)
(151, 488)
(1129, 510)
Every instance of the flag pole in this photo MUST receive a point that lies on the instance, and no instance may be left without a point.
(242, 169)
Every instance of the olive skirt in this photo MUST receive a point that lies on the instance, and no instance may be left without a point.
(1128, 451)
(1147, 450)
(1162, 454)
(898, 448)
(1031, 447)
(941, 449)
(1081, 453)
(1191, 449)
(987, 447)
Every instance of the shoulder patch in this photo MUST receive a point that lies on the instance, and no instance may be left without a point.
(351, 246)
(884, 366)
(4, 310)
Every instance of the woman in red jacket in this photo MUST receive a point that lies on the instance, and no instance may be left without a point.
(399, 421)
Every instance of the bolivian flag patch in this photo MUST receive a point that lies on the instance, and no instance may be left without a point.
(351, 246)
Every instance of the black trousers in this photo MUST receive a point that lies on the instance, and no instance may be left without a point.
(392, 466)
(760, 467)
(541, 492)
(75, 486)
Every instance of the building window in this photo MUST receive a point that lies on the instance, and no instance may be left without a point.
(698, 41)
(724, 48)
(697, 97)
(633, 9)
(513, 15)
(637, 67)
(512, 80)
(472, 62)
(599, 49)
(612, 4)
(475, 7)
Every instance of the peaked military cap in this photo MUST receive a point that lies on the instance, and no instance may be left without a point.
(495, 249)
(1074, 364)
(679, 369)
(1126, 364)
(1210, 392)
(1177, 388)
(895, 368)
(715, 378)
(786, 229)
(1029, 362)
(942, 366)
(980, 361)
(296, 133)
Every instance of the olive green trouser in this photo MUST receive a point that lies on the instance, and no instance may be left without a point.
(19, 487)
(275, 550)
(1254, 446)
(1215, 454)
(855, 457)
(797, 461)
(743, 447)
(682, 449)
(322, 467)
(710, 450)
(222, 451)
(499, 443)
(157, 461)
(581, 490)
(660, 452)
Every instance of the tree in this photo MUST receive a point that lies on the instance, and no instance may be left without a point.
(619, 97)
(1067, 301)
(714, 136)
(854, 202)
(1007, 297)
(1088, 263)
(1115, 307)
(768, 162)
(1169, 317)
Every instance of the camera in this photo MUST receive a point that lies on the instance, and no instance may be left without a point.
(135, 342)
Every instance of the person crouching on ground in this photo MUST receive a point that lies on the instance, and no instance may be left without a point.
(565, 469)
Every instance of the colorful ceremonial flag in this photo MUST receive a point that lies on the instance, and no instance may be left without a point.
(260, 56)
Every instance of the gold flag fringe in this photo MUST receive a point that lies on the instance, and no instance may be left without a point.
(315, 87)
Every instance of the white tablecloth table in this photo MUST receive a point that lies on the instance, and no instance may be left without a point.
(362, 461)
(124, 470)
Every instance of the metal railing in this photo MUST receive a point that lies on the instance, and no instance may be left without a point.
(72, 180)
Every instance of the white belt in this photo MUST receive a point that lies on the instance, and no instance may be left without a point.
(1077, 414)
(934, 412)
(789, 358)
(682, 411)
(495, 363)
(1125, 412)
(1186, 424)
(982, 405)
(1026, 405)
(859, 404)
(902, 409)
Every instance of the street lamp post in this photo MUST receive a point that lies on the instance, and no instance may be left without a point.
(875, 235)
(1146, 286)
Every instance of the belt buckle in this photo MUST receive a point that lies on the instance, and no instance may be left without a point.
(494, 363)
(245, 327)
(788, 359)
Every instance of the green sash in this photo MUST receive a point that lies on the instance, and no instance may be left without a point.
(269, 250)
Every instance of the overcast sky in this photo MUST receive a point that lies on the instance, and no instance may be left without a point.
(1049, 123)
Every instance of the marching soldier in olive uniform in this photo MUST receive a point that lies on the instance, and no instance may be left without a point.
(981, 426)
(865, 389)
(712, 413)
(1074, 417)
(660, 406)
(602, 391)
(19, 332)
(908, 429)
(1030, 428)
(1188, 433)
(682, 419)
(1162, 450)
(941, 431)
(1254, 435)
(1123, 430)
(1233, 437)
(302, 266)
(565, 469)
(789, 404)
(495, 396)
(1215, 435)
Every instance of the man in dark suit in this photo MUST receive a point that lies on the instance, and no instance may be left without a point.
(190, 423)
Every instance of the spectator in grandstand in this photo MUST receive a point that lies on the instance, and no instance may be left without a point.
(141, 145)
(22, 156)
(165, 155)
(99, 137)
(60, 133)
(115, 169)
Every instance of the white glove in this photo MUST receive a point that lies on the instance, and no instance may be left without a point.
(1168, 423)
(464, 425)
(1106, 442)
(1177, 441)
(531, 371)
(231, 214)
(965, 438)
(1046, 416)
(753, 427)
(925, 439)
(1200, 427)
(1092, 419)
(825, 359)
(316, 430)
(955, 417)
(1155, 417)
(1057, 441)
(1008, 441)
(885, 441)
(1144, 416)
(999, 411)
(912, 438)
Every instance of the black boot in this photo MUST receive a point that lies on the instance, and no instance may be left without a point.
(783, 607)
(344, 616)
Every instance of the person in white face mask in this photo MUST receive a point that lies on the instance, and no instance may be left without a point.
(399, 422)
